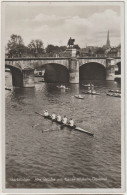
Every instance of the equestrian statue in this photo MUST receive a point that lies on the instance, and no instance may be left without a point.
(71, 42)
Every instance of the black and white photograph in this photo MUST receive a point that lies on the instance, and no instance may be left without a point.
(63, 96)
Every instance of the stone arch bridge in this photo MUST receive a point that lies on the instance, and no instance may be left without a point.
(23, 68)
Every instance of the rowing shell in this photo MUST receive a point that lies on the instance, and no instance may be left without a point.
(65, 125)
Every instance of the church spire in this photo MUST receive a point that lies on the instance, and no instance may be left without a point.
(108, 41)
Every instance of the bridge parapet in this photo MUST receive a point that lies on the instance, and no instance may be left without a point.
(37, 62)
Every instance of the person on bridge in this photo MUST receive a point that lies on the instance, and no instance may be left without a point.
(53, 116)
(46, 114)
(64, 120)
(59, 118)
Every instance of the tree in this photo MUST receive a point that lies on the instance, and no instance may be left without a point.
(36, 47)
(15, 46)
(100, 50)
(55, 49)
(63, 48)
(76, 47)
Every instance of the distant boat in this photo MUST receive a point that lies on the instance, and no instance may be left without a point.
(114, 91)
(79, 96)
(6, 88)
(88, 85)
(62, 87)
(114, 94)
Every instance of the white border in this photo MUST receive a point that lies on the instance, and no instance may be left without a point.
(2, 111)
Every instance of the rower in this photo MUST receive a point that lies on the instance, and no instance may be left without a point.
(71, 122)
(58, 118)
(64, 120)
(46, 113)
(53, 116)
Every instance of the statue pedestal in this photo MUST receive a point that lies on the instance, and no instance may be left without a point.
(72, 52)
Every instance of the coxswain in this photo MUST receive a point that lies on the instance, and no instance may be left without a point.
(64, 120)
(71, 122)
(59, 118)
(46, 113)
(53, 116)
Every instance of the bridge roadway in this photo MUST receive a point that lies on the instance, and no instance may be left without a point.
(23, 68)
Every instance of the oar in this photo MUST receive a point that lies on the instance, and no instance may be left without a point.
(38, 113)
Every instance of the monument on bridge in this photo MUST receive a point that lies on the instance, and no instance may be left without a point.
(71, 48)
(73, 62)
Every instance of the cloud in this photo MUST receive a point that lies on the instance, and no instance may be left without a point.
(43, 17)
(42, 28)
(90, 30)
(94, 28)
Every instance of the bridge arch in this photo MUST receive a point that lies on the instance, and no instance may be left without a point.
(92, 71)
(17, 76)
(55, 72)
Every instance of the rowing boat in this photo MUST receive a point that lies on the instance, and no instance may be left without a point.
(62, 87)
(88, 85)
(114, 91)
(66, 125)
(79, 96)
(114, 94)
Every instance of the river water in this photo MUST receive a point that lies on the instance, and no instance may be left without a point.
(62, 158)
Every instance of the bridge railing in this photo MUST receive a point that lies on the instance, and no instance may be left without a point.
(63, 55)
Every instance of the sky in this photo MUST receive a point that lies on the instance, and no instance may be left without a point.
(55, 23)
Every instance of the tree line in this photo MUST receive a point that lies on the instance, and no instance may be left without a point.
(16, 48)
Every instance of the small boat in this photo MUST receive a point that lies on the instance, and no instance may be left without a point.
(88, 85)
(7, 89)
(114, 91)
(114, 94)
(62, 87)
(66, 125)
(79, 96)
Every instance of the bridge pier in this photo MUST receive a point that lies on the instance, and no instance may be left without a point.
(74, 70)
(28, 77)
(110, 69)
(17, 78)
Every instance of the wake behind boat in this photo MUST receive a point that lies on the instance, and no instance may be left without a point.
(66, 125)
